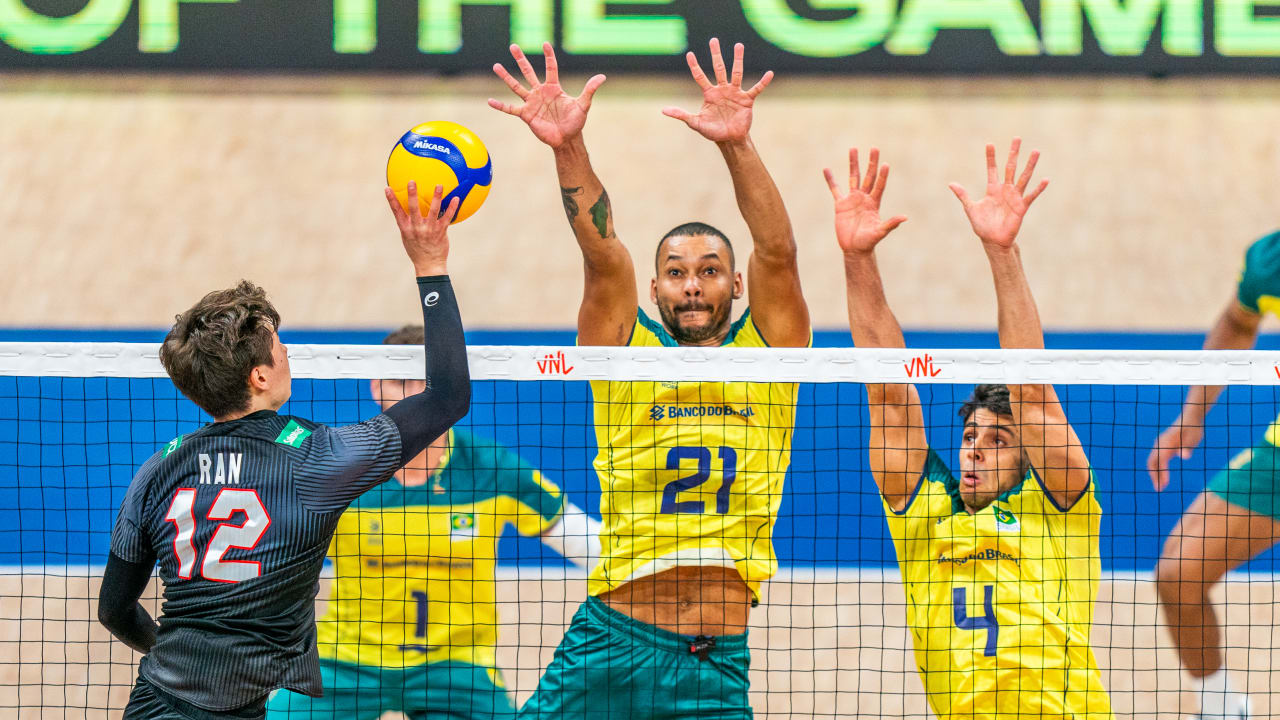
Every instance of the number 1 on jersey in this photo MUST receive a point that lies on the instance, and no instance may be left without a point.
(182, 515)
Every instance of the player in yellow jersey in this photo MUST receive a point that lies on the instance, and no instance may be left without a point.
(1001, 564)
(412, 622)
(1237, 517)
(691, 473)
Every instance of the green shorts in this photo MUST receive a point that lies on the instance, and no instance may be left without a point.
(1252, 480)
(610, 666)
(363, 692)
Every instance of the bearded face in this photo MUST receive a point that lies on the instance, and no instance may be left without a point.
(695, 288)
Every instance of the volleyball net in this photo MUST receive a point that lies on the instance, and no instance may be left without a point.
(832, 635)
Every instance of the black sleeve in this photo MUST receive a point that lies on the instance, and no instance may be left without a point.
(118, 609)
(426, 416)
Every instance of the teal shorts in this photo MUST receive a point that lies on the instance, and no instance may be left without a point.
(363, 692)
(1252, 480)
(610, 666)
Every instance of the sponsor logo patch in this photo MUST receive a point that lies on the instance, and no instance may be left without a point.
(293, 434)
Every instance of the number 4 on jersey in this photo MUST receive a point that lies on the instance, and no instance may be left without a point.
(986, 622)
(226, 536)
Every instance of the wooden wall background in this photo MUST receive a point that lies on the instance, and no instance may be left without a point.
(126, 197)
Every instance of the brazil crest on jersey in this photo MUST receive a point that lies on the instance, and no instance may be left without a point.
(1258, 291)
(1000, 602)
(691, 473)
(414, 566)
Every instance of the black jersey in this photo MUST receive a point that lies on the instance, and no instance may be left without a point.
(239, 516)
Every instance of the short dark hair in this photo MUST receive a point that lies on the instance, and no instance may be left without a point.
(992, 396)
(688, 229)
(407, 335)
(212, 347)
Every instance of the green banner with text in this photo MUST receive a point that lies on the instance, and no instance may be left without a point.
(933, 36)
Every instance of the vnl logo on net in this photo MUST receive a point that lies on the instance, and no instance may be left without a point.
(921, 366)
(554, 364)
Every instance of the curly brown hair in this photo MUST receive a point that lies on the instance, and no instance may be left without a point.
(212, 347)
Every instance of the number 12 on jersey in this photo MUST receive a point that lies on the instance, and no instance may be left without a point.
(729, 471)
(226, 536)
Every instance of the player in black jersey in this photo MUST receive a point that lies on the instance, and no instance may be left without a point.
(239, 513)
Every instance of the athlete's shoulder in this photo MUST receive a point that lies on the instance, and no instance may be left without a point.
(1260, 276)
(151, 468)
(472, 460)
(744, 333)
(295, 432)
(937, 493)
(1266, 247)
(1038, 498)
(495, 467)
(650, 333)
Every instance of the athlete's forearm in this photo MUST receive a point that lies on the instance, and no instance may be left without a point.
(426, 416)
(760, 203)
(1229, 332)
(1018, 319)
(118, 609)
(586, 205)
(871, 321)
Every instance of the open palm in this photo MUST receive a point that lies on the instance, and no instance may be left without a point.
(725, 115)
(553, 115)
(997, 217)
(859, 227)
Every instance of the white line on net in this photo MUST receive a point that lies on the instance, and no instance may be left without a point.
(820, 365)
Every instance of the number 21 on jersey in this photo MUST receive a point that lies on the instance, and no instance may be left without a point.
(226, 536)
(729, 473)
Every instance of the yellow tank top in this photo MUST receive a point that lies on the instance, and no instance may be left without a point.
(691, 473)
(1000, 602)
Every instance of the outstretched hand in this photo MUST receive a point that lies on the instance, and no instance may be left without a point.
(1178, 441)
(858, 224)
(726, 108)
(425, 238)
(997, 217)
(552, 114)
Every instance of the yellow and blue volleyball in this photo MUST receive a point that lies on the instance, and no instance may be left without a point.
(441, 153)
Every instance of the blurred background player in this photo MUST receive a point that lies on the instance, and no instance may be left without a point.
(1237, 517)
(691, 473)
(239, 513)
(412, 623)
(1001, 565)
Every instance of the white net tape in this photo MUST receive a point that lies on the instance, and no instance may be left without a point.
(817, 365)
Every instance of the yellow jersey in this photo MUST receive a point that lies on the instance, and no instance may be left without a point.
(415, 565)
(1000, 602)
(1258, 291)
(691, 473)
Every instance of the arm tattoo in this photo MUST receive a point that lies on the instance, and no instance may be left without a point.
(600, 212)
(570, 204)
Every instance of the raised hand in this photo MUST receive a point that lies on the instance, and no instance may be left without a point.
(1179, 441)
(858, 224)
(425, 238)
(552, 114)
(726, 108)
(997, 217)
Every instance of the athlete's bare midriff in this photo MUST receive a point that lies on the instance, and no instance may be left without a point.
(688, 600)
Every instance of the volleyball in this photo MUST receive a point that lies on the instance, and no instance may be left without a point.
(441, 153)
